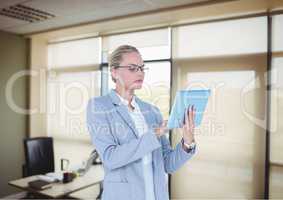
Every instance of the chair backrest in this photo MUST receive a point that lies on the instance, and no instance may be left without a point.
(39, 155)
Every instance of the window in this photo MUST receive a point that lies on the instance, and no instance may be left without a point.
(68, 95)
(73, 78)
(230, 138)
(243, 36)
(277, 39)
(156, 87)
(69, 91)
(74, 53)
(276, 134)
(153, 45)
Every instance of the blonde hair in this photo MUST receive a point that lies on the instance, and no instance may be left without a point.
(117, 55)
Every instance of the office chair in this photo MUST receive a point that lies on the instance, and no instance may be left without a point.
(39, 156)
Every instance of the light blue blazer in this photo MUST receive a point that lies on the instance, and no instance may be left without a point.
(115, 137)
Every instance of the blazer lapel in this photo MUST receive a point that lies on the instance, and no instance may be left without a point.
(151, 122)
(123, 112)
(147, 113)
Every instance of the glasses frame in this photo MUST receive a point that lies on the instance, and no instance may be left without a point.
(133, 67)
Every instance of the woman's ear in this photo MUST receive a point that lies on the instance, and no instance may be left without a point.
(116, 77)
(113, 74)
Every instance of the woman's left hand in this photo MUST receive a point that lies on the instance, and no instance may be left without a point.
(189, 126)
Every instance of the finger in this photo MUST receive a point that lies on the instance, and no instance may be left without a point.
(187, 115)
(184, 118)
(192, 119)
(157, 132)
(164, 123)
(191, 116)
(194, 116)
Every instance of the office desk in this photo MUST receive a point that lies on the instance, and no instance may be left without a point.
(90, 192)
(93, 176)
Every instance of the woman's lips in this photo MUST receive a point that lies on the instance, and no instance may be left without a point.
(138, 81)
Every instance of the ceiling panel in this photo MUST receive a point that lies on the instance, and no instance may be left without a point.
(7, 22)
(6, 3)
(171, 3)
(73, 12)
(83, 17)
(75, 7)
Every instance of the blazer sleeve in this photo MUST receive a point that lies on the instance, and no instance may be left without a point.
(173, 158)
(112, 154)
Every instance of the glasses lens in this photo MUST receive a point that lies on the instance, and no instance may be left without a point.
(132, 68)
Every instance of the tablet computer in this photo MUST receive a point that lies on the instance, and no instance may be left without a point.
(183, 99)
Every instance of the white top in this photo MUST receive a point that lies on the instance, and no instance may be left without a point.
(142, 128)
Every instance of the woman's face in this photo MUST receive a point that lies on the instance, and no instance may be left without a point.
(126, 77)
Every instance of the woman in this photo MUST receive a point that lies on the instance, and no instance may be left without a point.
(128, 134)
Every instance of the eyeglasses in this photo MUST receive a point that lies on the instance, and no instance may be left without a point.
(134, 68)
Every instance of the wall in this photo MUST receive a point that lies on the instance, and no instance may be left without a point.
(13, 126)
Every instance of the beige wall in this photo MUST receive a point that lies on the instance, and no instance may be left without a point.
(13, 126)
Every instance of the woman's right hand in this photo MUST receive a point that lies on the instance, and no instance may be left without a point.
(162, 129)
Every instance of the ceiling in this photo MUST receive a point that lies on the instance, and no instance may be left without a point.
(25, 16)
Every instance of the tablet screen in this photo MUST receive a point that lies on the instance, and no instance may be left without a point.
(183, 99)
